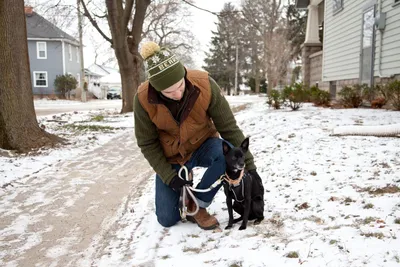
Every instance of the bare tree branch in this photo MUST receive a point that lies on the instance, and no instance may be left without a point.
(94, 23)
(219, 14)
(127, 13)
(136, 31)
(100, 16)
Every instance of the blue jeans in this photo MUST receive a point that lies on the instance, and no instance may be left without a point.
(208, 155)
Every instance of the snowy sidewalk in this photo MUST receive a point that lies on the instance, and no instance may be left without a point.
(58, 216)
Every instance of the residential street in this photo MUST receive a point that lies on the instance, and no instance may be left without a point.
(63, 221)
(49, 107)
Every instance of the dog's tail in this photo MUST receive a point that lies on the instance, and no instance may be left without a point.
(238, 219)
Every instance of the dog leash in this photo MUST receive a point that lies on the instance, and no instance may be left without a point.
(233, 191)
(188, 190)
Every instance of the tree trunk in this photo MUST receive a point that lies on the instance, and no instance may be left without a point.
(270, 80)
(19, 129)
(126, 45)
(257, 84)
(128, 73)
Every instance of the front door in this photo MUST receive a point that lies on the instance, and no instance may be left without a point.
(367, 46)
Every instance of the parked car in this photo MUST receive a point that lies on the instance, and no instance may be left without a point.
(114, 93)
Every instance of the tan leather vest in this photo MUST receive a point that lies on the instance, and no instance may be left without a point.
(179, 141)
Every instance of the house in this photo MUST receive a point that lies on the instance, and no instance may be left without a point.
(350, 42)
(52, 52)
(105, 78)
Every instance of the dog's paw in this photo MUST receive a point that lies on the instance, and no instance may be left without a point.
(228, 227)
(257, 221)
(242, 227)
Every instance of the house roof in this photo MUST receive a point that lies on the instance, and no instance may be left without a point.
(302, 4)
(102, 70)
(91, 73)
(39, 27)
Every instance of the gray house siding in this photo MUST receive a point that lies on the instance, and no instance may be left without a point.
(56, 62)
(390, 57)
(71, 66)
(342, 41)
(342, 38)
(52, 64)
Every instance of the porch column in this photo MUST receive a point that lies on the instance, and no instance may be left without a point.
(312, 43)
(312, 32)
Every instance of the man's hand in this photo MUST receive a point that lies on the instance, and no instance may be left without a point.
(177, 183)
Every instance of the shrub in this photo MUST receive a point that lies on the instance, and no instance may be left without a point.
(295, 95)
(351, 96)
(319, 97)
(64, 84)
(382, 91)
(367, 93)
(393, 89)
(274, 100)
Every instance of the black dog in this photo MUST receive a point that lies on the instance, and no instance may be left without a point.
(239, 185)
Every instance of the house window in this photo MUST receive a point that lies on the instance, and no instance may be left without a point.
(70, 52)
(41, 48)
(77, 54)
(337, 6)
(40, 78)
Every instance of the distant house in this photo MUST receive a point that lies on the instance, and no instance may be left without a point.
(52, 52)
(350, 42)
(103, 76)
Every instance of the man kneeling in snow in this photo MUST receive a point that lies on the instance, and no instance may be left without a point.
(179, 115)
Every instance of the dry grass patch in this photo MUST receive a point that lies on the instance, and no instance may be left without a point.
(368, 206)
(292, 254)
(376, 235)
(189, 249)
(388, 189)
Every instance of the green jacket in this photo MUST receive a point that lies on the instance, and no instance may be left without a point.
(147, 134)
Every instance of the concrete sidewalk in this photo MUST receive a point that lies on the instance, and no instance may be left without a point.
(59, 216)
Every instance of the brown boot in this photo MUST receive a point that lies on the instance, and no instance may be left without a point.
(203, 219)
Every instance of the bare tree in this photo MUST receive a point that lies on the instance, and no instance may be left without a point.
(280, 55)
(264, 16)
(19, 129)
(125, 20)
(168, 24)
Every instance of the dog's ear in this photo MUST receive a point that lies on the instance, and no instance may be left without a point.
(225, 147)
(245, 145)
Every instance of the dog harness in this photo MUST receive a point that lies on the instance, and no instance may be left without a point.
(233, 184)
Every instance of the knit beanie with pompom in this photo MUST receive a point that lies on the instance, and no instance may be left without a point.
(163, 68)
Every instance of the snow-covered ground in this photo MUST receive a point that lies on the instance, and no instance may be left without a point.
(320, 200)
(80, 140)
(329, 201)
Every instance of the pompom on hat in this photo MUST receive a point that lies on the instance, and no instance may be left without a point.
(163, 68)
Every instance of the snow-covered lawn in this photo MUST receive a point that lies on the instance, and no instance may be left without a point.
(321, 207)
(329, 201)
(84, 131)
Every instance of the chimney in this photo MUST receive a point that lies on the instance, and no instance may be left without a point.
(28, 10)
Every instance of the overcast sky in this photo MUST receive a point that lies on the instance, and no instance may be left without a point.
(203, 24)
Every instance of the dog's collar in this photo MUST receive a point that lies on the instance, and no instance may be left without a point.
(236, 181)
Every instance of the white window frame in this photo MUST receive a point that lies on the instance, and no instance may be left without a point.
(339, 7)
(34, 79)
(37, 50)
(77, 54)
(70, 52)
